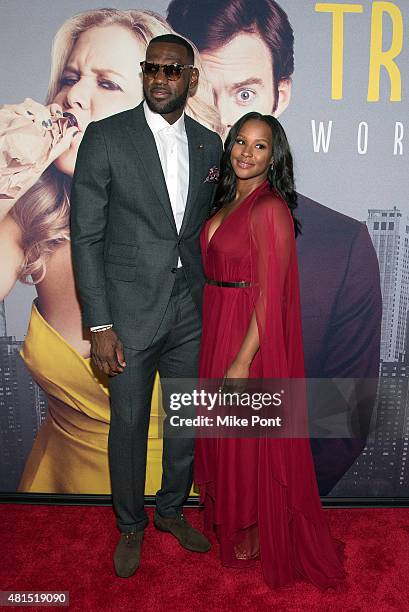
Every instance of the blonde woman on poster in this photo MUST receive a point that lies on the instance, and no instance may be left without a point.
(89, 81)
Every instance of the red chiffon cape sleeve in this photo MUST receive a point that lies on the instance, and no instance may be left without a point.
(276, 287)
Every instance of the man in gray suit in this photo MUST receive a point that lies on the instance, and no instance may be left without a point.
(139, 199)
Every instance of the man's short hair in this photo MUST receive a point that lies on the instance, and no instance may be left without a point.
(177, 40)
(211, 24)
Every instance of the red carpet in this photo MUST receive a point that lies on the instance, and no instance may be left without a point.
(70, 548)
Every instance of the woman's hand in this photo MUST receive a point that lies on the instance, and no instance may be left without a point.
(235, 378)
(32, 136)
(238, 370)
(240, 367)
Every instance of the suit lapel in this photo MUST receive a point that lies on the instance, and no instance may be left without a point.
(196, 149)
(144, 143)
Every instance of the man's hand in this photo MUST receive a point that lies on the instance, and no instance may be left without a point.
(107, 352)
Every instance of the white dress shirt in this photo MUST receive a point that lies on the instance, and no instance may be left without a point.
(171, 143)
(172, 146)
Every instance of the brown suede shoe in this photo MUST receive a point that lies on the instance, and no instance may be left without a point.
(188, 537)
(128, 553)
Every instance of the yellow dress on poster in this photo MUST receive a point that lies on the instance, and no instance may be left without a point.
(70, 452)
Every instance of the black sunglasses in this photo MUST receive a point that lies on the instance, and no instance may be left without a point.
(172, 72)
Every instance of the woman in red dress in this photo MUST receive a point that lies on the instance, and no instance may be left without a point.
(260, 494)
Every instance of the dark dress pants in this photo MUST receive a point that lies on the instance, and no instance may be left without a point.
(174, 353)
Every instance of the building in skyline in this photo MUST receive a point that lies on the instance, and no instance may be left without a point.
(389, 230)
(23, 407)
(382, 468)
(3, 326)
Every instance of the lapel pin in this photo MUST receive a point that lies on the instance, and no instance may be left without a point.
(200, 146)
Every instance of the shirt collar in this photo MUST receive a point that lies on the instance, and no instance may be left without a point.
(157, 123)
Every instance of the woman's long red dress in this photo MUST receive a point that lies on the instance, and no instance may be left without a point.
(260, 495)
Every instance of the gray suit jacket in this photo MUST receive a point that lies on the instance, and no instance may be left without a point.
(125, 245)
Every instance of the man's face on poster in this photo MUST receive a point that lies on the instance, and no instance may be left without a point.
(241, 73)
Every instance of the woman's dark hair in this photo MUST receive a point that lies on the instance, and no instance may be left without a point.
(211, 24)
(280, 174)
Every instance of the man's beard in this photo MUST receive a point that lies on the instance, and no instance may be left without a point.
(169, 106)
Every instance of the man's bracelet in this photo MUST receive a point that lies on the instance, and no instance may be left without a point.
(100, 328)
